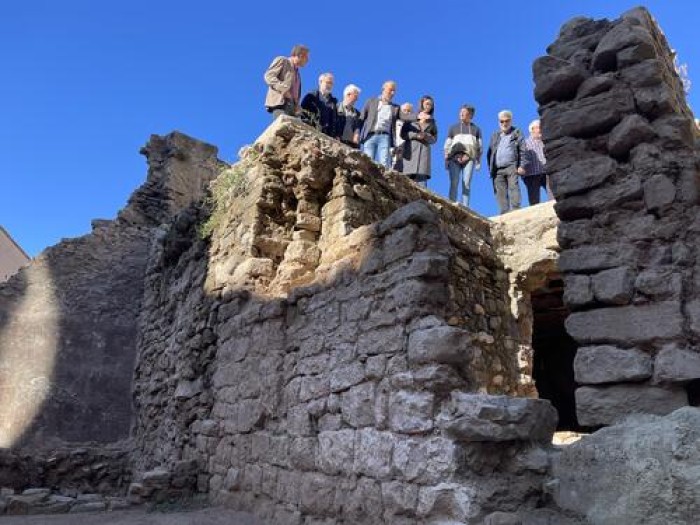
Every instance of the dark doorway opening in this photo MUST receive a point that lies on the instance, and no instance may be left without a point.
(554, 351)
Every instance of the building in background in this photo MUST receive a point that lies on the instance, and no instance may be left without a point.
(12, 256)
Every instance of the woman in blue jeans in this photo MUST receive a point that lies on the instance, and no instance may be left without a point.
(463, 149)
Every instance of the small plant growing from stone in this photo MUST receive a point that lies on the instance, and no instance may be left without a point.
(230, 183)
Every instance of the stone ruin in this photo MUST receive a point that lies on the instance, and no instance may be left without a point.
(348, 348)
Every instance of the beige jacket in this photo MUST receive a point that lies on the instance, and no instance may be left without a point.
(279, 77)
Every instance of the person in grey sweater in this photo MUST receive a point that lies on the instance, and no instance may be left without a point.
(463, 148)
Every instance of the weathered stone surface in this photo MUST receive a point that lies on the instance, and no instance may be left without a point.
(594, 85)
(577, 290)
(558, 79)
(620, 38)
(676, 364)
(659, 191)
(411, 412)
(480, 417)
(441, 344)
(633, 324)
(659, 283)
(614, 286)
(633, 130)
(599, 257)
(610, 404)
(621, 473)
(502, 518)
(610, 364)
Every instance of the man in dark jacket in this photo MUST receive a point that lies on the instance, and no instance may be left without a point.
(507, 160)
(319, 106)
(348, 123)
(379, 117)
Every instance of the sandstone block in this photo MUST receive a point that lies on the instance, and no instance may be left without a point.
(632, 131)
(597, 406)
(610, 364)
(614, 286)
(674, 364)
(440, 344)
(634, 324)
(411, 412)
(482, 417)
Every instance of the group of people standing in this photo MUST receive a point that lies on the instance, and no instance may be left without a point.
(399, 137)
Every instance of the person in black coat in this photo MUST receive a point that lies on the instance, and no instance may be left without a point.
(419, 135)
(318, 108)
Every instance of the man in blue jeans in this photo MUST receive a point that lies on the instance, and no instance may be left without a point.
(379, 117)
(463, 149)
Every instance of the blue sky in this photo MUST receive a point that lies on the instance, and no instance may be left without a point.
(86, 83)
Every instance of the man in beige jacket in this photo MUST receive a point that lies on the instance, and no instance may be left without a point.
(284, 82)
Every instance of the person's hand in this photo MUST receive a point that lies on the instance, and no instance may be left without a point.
(520, 170)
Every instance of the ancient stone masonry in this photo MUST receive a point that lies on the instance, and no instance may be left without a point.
(623, 153)
(341, 352)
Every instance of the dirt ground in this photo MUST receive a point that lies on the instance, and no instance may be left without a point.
(211, 516)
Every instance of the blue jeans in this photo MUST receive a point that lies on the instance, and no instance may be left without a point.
(376, 147)
(464, 173)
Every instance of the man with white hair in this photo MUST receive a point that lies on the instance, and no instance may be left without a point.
(535, 174)
(507, 159)
(348, 122)
(319, 106)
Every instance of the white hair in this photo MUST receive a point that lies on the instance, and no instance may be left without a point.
(506, 113)
(324, 75)
(532, 124)
(351, 88)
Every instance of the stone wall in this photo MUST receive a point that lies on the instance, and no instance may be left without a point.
(337, 350)
(68, 321)
(623, 155)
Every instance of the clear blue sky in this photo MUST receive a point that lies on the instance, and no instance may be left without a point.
(85, 83)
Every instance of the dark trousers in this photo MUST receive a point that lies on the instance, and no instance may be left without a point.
(505, 184)
(533, 183)
(286, 109)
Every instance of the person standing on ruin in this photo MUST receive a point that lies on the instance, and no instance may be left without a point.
(379, 116)
(463, 148)
(536, 171)
(507, 159)
(348, 122)
(397, 150)
(319, 107)
(419, 135)
(284, 83)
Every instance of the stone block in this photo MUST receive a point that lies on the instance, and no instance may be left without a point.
(595, 85)
(632, 131)
(583, 175)
(692, 309)
(357, 405)
(317, 494)
(447, 501)
(659, 283)
(610, 364)
(440, 344)
(614, 286)
(411, 412)
(577, 290)
(482, 417)
(605, 405)
(400, 243)
(618, 39)
(633, 324)
(373, 453)
(675, 364)
(416, 212)
(502, 518)
(347, 375)
(659, 191)
(425, 460)
(557, 79)
(643, 74)
(336, 451)
(399, 498)
(595, 258)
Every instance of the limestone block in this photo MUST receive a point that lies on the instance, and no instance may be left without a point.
(583, 175)
(373, 453)
(482, 417)
(621, 474)
(357, 405)
(577, 290)
(336, 451)
(659, 283)
(632, 131)
(416, 212)
(634, 324)
(610, 364)
(614, 286)
(440, 344)
(659, 191)
(425, 460)
(399, 498)
(619, 38)
(411, 412)
(675, 364)
(557, 79)
(447, 501)
(308, 222)
(605, 405)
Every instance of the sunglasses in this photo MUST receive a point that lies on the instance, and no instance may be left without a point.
(504, 121)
